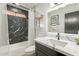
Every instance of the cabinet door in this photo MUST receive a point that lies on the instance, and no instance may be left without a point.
(39, 53)
(46, 51)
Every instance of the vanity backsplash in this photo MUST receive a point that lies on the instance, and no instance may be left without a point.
(64, 36)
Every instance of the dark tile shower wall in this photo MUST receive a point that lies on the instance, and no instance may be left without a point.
(18, 29)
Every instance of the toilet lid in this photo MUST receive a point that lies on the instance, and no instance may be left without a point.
(30, 49)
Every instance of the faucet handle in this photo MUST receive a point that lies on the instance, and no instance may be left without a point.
(57, 35)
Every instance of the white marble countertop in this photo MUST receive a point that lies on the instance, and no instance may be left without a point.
(71, 49)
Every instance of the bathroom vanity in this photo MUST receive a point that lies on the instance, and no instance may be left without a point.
(49, 46)
(42, 50)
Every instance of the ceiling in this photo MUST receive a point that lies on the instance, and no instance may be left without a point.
(29, 5)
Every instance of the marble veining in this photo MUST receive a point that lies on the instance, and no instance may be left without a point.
(18, 29)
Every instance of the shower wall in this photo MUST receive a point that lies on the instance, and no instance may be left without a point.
(17, 24)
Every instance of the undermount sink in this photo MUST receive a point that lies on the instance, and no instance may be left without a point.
(58, 43)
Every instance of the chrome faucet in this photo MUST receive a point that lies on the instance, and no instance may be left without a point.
(58, 36)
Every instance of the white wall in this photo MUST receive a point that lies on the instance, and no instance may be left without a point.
(3, 28)
(4, 42)
(31, 31)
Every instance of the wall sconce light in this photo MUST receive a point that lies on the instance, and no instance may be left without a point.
(39, 18)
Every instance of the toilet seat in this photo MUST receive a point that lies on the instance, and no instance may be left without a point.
(30, 49)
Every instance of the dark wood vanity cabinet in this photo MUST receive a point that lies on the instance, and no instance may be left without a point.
(42, 50)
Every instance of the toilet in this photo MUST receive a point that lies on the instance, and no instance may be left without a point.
(30, 51)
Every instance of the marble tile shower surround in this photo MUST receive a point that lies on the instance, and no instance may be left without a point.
(64, 36)
(17, 29)
(17, 24)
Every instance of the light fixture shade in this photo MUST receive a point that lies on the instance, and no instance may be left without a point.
(39, 17)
